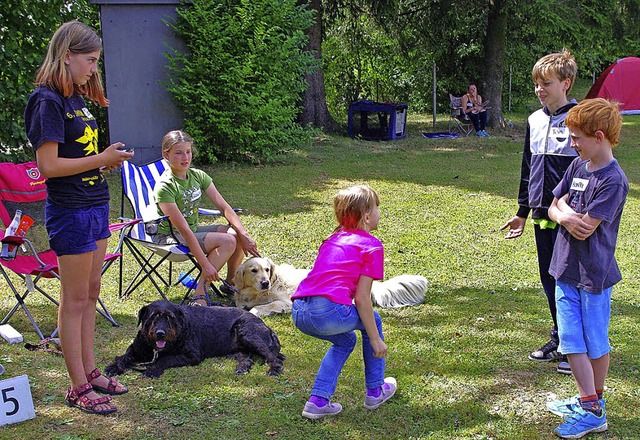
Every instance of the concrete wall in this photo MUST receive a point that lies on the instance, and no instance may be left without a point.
(136, 37)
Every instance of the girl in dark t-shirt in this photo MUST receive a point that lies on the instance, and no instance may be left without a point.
(64, 135)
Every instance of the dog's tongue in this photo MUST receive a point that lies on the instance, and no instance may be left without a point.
(160, 344)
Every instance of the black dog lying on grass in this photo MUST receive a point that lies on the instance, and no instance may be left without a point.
(174, 336)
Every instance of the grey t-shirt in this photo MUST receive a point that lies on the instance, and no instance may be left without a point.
(590, 264)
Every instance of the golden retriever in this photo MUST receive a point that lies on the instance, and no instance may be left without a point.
(265, 288)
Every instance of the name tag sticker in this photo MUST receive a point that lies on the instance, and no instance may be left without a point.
(559, 132)
(579, 184)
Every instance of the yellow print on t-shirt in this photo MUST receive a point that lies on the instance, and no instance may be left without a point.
(84, 114)
(91, 179)
(90, 139)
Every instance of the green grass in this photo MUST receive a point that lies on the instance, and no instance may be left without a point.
(460, 358)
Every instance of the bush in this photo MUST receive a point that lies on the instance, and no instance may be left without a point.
(240, 81)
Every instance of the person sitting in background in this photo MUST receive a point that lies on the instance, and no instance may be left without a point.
(475, 111)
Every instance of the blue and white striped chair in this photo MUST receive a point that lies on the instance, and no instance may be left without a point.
(138, 184)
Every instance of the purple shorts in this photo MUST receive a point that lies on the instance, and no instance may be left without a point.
(75, 231)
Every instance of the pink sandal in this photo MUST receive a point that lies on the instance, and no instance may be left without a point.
(111, 387)
(77, 398)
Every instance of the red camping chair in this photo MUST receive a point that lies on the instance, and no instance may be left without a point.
(22, 187)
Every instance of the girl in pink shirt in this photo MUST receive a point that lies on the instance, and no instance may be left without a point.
(335, 300)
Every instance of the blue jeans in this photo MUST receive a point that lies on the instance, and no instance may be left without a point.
(319, 317)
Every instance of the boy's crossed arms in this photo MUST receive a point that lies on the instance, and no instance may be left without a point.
(580, 226)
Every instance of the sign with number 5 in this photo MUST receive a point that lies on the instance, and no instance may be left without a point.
(16, 403)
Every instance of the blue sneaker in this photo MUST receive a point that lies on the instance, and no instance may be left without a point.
(388, 390)
(568, 407)
(485, 134)
(314, 412)
(582, 423)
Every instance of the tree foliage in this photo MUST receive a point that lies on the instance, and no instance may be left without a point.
(363, 61)
(25, 29)
(453, 35)
(239, 83)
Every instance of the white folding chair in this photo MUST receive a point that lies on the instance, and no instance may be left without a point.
(138, 185)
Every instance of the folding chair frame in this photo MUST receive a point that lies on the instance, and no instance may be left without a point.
(149, 269)
(45, 271)
(145, 178)
(31, 286)
(458, 121)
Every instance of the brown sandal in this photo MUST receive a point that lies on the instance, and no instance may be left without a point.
(111, 387)
(77, 398)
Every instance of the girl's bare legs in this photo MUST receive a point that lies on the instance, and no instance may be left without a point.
(590, 374)
(77, 314)
(88, 329)
(236, 258)
(600, 370)
(220, 246)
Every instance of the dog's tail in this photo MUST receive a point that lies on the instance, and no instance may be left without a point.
(400, 291)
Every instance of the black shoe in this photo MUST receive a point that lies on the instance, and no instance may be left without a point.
(547, 353)
(563, 365)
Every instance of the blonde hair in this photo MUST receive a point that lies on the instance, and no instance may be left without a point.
(597, 114)
(74, 37)
(352, 204)
(562, 65)
(176, 137)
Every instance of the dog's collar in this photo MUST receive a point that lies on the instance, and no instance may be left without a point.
(155, 358)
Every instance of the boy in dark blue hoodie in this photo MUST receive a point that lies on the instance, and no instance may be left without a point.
(547, 155)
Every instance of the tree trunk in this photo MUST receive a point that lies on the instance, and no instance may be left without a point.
(314, 100)
(494, 53)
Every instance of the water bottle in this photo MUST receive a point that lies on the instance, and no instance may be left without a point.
(9, 251)
(188, 280)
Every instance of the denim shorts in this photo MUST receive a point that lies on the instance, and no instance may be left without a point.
(583, 320)
(74, 231)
